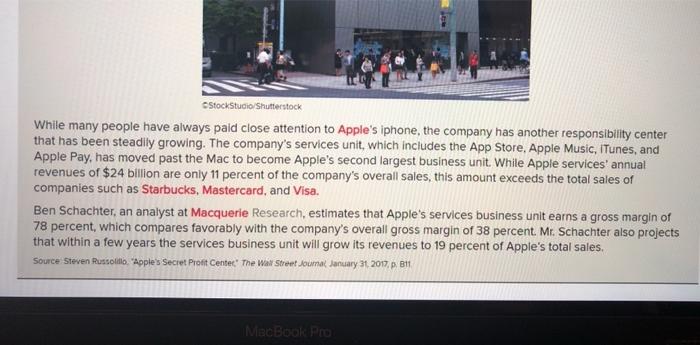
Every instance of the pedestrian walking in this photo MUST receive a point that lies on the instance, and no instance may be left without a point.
(493, 59)
(473, 64)
(367, 69)
(462, 63)
(419, 67)
(441, 62)
(281, 65)
(264, 66)
(338, 61)
(385, 69)
(349, 64)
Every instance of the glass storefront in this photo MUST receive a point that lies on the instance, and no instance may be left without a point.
(420, 42)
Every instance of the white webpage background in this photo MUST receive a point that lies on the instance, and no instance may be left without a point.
(670, 36)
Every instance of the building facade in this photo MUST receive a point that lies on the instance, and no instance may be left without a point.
(314, 29)
(504, 26)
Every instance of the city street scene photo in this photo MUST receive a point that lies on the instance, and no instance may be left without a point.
(388, 49)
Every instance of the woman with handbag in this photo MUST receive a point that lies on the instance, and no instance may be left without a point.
(385, 69)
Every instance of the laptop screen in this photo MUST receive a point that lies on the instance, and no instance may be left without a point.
(350, 149)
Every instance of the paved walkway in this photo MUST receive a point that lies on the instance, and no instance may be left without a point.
(241, 86)
(333, 82)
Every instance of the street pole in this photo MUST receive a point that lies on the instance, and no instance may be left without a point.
(281, 28)
(264, 28)
(453, 41)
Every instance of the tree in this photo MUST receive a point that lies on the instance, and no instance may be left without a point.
(230, 18)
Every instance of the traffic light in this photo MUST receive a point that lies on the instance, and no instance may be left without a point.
(443, 20)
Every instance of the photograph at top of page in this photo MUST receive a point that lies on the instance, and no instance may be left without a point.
(392, 49)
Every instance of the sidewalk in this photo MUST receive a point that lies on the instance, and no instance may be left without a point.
(333, 82)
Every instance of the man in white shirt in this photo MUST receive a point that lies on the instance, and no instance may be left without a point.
(263, 65)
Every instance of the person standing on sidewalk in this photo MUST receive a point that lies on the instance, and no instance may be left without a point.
(358, 67)
(263, 65)
(385, 69)
(462, 63)
(406, 64)
(473, 63)
(373, 57)
(419, 67)
(441, 61)
(399, 61)
(410, 57)
(493, 59)
(249, 62)
(338, 62)
(349, 64)
(505, 60)
(367, 69)
(524, 57)
(434, 64)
